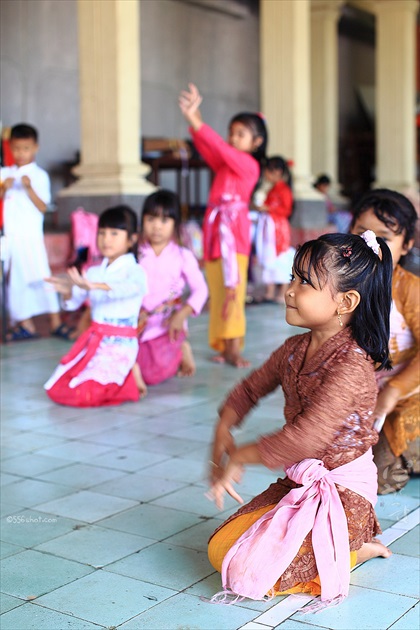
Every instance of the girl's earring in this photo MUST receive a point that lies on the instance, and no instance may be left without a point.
(340, 321)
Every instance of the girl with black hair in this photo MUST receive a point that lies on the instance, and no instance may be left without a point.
(305, 531)
(273, 234)
(226, 229)
(177, 290)
(397, 453)
(101, 368)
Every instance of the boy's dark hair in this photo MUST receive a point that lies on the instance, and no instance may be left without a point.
(322, 180)
(121, 218)
(349, 263)
(278, 163)
(256, 124)
(163, 203)
(391, 208)
(24, 131)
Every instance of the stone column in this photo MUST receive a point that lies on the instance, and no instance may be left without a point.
(324, 86)
(396, 94)
(286, 102)
(110, 170)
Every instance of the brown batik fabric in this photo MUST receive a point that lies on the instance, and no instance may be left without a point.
(328, 410)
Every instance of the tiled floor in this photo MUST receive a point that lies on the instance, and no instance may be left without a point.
(104, 518)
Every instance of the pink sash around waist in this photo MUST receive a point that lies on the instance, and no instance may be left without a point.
(229, 209)
(91, 339)
(260, 556)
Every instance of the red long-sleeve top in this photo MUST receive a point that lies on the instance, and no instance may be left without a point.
(280, 203)
(236, 174)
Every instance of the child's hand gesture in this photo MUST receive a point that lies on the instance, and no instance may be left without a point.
(175, 325)
(79, 279)
(176, 321)
(8, 183)
(230, 475)
(26, 182)
(61, 284)
(189, 104)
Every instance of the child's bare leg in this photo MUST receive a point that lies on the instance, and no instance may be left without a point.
(232, 353)
(374, 549)
(281, 296)
(55, 321)
(28, 324)
(270, 290)
(142, 387)
(187, 366)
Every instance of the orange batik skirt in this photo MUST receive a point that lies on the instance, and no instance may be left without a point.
(234, 327)
(228, 534)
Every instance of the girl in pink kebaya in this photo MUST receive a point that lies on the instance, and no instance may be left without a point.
(226, 228)
(177, 290)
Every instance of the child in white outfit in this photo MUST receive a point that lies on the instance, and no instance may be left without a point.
(25, 189)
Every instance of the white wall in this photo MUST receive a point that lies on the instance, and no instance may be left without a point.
(180, 42)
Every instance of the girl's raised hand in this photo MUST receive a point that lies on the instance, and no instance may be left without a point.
(61, 284)
(79, 280)
(189, 104)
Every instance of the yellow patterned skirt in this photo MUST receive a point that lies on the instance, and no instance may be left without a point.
(234, 326)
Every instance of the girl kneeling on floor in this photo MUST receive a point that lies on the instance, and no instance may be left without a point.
(177, 289)
(305, 531)
(101, 367)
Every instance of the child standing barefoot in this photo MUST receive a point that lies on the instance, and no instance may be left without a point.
(171, 269)
(393, 217)
(305, 531)
(101, 368)
(226, 228)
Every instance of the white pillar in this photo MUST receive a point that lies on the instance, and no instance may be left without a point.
(324, 86)
(396, 94)
(109, 58)
(286, 100)
(285, 82)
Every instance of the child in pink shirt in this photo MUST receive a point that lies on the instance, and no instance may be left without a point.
(226, 228)
(171, 270)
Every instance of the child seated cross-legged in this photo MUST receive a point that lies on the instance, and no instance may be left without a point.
(397, 453)
(305, 532)
(101, 367)
(177, 290)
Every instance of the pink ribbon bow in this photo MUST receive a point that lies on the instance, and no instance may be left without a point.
(260, 556)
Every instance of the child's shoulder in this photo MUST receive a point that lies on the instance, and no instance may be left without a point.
(405, 283)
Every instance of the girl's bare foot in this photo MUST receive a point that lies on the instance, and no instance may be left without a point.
(141, 385)
(374, 549)
(219, 358)
(187, 367)
(237, 361)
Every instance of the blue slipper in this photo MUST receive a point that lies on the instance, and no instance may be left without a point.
(63, 332)
(19, 333)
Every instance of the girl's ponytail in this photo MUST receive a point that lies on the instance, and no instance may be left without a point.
(371, 320)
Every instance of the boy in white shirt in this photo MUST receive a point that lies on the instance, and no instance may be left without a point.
(25, 189)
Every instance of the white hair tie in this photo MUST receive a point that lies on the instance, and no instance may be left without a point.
(370, 239)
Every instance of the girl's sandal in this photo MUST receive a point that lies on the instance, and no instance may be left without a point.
(63, 332)
(19, 333)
